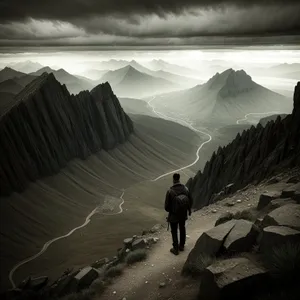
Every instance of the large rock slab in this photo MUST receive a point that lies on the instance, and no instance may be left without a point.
(274, 236)
(209, 243)
(287, 215)
(290, 191)
(280, 202)
(85, 277)
(242, 237)
(231, 279)
(266, 198)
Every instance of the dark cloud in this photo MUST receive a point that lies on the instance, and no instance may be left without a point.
(14, 10)
(142, 22)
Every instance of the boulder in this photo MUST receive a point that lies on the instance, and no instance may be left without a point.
(294, 179)
(156, 228)
(280, 202)
(224, 218)
(273, 236)
(235, 278)
(100, 263)
(85, 277)
(242, 237)
(266, 198)
(139, 244)
(229, 204)
(290, 191)
(128, 242)
(38, 283)
(287, 215)
(209, 243)
(65, 285)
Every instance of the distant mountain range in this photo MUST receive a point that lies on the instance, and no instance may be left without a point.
(26, 66)
(129, 82)
(225, 98)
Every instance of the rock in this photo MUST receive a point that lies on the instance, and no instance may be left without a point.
(224, 218)
(65, 285)
(156, 228)
(290, 191)
(139, 244)
(294, 179)
(38, 283)
(214, 211)
(229, 204)
(239, 201)
(122, 253)
(266, 198)
(128, 242)
(296, 197)
(100, 263)
(274, 236)
(127, 250)
(241, 238)
(162, 285)
(85, 277)
(280, 202)
(287, 215)
(231, 279)
(209, 243)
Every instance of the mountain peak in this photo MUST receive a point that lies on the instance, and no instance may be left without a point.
(231, 82)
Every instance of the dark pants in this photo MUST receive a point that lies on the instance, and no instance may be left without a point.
(174, 231)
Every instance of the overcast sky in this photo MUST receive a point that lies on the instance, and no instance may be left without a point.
(148, 22)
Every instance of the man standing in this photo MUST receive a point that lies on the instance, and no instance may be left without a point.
(178, 204)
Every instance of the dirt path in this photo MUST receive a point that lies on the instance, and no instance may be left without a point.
(142, 281)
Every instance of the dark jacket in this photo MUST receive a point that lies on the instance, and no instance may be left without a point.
(177, 189)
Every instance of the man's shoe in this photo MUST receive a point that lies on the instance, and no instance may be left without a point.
(181, 248)
(174, 251)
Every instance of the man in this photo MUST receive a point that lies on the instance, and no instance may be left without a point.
(178, 204)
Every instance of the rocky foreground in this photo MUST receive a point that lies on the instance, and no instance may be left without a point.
(252, 156)
(47, 127)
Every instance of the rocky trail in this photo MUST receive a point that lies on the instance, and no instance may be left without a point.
(159, 276)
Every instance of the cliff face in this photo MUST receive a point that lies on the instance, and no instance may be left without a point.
(47, 127)
(251, 156)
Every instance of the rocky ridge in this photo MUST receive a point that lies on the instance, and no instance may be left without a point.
(47, 127)
(252, 156)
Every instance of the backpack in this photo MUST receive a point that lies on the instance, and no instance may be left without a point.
(181, 204)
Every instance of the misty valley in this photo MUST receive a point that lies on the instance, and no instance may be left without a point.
(89, 144)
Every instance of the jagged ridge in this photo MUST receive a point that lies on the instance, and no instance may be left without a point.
(47, 127)
(252, 156)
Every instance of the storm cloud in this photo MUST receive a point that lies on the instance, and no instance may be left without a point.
(144, 21)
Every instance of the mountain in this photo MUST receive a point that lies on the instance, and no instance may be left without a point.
(251, 157)
(159, 64)
(47, 127)
(26, 66)
(226, 97)
(93, 74)
(11, 86)
(9, 73)
(13, 81)
(73, 83)
(286, 68)
(266, 120)
(129, 82)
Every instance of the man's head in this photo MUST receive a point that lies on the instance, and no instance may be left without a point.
(176, 178)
